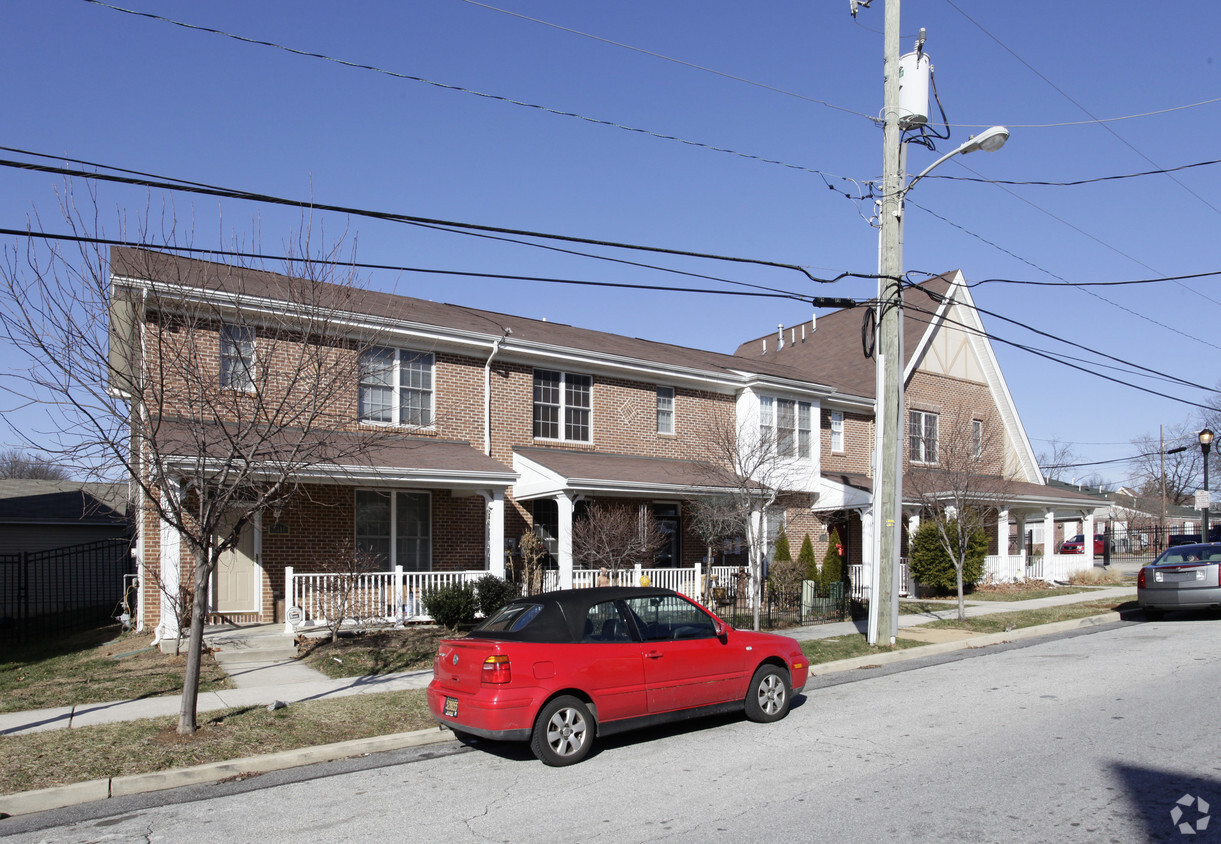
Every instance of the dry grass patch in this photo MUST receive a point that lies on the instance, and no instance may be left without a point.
(61, 757)
(95, 666)
(373, 652)
(846, 647)
(1001, 622)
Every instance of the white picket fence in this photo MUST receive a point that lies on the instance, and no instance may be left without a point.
(396, 597)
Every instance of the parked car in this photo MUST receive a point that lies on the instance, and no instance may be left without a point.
(1184, 577)
(561, 668)
(1076, 545)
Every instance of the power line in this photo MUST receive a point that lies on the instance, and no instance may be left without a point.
(462, 227)
(1069, 123)
(664, 57)
(761, 292)
(1084, 110)
(1124, 283)
(464, 90)
(1078, 181)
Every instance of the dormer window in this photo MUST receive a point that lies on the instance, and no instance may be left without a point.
(396, 387)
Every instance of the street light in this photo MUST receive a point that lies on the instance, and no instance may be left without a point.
(888, 359)
(1206, 444)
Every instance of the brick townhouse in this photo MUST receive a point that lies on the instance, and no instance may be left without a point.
(490, 424)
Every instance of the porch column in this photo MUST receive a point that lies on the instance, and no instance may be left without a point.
(1049, 533)
(168, 576)
(1002, 532)
(913, 525)
(564, 504)
(1021, 531)
(869, 571)
(494, 552)
(1087, 538)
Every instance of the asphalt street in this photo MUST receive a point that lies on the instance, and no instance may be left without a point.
(1086, 737)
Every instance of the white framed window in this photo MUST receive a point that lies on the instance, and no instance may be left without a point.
(665, 410)
(787, 424)
(396, 387)
(922, 436)
(837, 430)
(977, 438)
(562, 404)
(396, 526)
(237, 357)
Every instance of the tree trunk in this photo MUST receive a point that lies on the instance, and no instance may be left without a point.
(187, 718)
(962, 607)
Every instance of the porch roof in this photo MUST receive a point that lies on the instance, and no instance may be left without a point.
(551, 471)
(374, 456)
(1015, 494)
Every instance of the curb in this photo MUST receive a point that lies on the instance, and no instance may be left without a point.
(58, 797)
(103, 789)
(981, 641)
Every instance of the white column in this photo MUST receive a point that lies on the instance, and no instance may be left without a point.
(1002, 532)
(1087, 543)
(1021, 530)
(913, 525)
(494, 513)
(169, 573)
(869, 570)
(1049, 534)
(564, 539)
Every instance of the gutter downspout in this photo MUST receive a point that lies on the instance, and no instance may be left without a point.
(487, 392)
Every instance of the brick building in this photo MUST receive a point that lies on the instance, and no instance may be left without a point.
(474, 427)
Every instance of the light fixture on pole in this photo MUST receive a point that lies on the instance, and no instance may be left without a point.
(1206, 444)
(887, 512)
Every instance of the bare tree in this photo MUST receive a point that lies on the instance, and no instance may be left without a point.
(1056, 459)
(714, 519)
(742, 461)
(343, 597)
(178, 373)
(19, 465)
(610, 537)
(1179, 467)
(961, 487)
(533, 550)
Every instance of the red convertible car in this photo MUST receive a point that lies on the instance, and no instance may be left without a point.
(560, 668)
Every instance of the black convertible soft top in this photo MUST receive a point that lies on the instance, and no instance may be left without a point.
(561, 617)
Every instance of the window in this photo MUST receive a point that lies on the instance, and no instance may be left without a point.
(787, 424)
(922, 433)
(773, 526)
(977, 438)
(670, 618)
(562, 406)
(837, 430)
(396, 527)
(237, 357)
(665, 410)
(396, 387)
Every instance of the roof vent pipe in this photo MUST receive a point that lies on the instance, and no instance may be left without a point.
(779, 337)
(813, 323)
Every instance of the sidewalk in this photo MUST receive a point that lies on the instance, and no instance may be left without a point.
(263, 683)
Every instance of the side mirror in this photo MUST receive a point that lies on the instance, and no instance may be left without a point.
(722, 630)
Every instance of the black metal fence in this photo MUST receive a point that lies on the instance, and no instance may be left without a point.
(63, 589)
(807, 602)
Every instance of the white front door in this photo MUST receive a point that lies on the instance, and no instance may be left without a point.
(237, 575)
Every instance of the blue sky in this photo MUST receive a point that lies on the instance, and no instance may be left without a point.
(93, 83)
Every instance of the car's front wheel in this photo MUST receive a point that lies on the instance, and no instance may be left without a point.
(767, 699)
(563, 732)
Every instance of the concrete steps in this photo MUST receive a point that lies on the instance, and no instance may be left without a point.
(250, 643)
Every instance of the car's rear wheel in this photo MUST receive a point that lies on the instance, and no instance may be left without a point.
(767, 699)
(563, 732)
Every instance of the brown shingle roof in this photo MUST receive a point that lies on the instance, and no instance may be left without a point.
(833, 354)
(604, 468)
(142, 264)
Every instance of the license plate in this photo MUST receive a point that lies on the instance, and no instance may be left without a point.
(451, 707)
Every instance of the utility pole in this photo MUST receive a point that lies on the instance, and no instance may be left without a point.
(888, 353)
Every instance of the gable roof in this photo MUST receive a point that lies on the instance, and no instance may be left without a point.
(62, 502)
(132, 267)
(833, 353)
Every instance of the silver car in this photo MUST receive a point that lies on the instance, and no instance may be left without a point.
(1185, 577)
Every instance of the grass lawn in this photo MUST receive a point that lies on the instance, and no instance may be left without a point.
(60, 757)
(94, 666)
(847, 647)
(1000, 622)
(375, 652)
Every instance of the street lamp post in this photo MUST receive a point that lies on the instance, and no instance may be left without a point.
(1206, 444)
(888, 351)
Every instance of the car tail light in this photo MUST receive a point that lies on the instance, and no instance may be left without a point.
(1140, 579)
(496, 669)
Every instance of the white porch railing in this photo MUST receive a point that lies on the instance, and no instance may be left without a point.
(860, 589)
(1008, 568)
